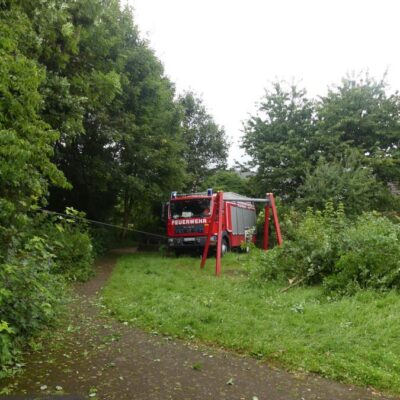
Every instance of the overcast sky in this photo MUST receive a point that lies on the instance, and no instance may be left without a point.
(229, 50)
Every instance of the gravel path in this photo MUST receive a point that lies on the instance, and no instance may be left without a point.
(96, 357)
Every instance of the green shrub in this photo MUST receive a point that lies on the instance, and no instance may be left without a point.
(101, 239)
(345, 255)
(71, 244)
(33, 273)
(348, 181)
(6, 335)
(107, 238)
(29, 295)
(74, 256)
(311, 253)
(370, 257)
(268, 266)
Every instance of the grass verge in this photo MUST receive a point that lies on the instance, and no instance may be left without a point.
(355, 339)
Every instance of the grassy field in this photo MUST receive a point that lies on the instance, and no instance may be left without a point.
(354, 340)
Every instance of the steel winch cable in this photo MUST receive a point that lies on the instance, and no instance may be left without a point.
(92, 221)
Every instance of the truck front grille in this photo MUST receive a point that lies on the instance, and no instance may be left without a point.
(189, 229)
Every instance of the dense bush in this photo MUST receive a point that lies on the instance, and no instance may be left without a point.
(326, 247)
(369, 257)
(33, 275)
(311, 251)
(348, 181)
(70, 242)
(100, 239)
(106, 238)
(29, 295)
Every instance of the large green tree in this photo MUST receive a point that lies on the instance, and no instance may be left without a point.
(108, 110)
(279, 140)
(81, 91)
(360, 113)
(346, 180)
(300, 147)
(206, 144)
(228, 181)
(150, 148)
(107, 94)
(26, 140)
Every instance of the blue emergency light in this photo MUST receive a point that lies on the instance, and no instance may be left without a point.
(209, 192)
(173, 195)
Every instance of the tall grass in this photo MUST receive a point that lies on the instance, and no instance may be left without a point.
(353, 339)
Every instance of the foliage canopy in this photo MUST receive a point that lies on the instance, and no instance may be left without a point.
(341, 144)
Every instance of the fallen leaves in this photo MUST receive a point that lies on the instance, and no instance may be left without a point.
(230, 382)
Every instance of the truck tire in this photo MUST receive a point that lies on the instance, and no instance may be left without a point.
(224, 246)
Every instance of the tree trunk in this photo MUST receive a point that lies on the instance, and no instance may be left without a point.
(128, 205)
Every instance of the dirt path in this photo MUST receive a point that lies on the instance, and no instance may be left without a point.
(109, 360)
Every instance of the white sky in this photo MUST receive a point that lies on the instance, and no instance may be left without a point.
(229, 50)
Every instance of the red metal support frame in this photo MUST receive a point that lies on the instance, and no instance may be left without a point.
(209, 234)
(216, 218)
(220, 200)
(266, 226)
(276, 219)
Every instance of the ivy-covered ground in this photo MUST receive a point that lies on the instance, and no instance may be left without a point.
(94, 356)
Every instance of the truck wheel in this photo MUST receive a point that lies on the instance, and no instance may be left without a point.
(224, 247)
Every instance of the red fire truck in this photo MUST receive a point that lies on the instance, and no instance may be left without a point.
(189, 217)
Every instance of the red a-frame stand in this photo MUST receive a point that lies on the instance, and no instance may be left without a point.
(216, 222)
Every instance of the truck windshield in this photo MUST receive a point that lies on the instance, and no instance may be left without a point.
(190, 208)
